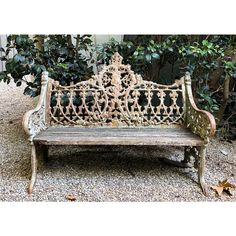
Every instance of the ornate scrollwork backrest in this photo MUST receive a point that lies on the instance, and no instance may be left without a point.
(116, 96)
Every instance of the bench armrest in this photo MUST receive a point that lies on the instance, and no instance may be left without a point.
(34, 120)
(199, 121)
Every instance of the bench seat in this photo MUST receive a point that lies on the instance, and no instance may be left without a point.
(118, 136)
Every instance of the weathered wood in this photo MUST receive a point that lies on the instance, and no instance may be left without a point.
(117, 136)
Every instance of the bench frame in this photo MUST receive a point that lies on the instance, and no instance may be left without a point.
(200, 122)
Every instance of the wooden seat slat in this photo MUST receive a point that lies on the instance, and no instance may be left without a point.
(118, 136)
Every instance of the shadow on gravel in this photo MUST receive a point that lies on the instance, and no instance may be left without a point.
(130, 161)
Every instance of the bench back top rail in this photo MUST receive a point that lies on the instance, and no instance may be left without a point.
(115, 97)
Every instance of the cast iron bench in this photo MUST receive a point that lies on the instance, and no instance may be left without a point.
(118, 107)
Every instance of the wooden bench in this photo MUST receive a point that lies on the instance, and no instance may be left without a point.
(118, 107)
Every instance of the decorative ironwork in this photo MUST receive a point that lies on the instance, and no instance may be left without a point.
(117, 97)
(34, 120)
(37, 121)
(200, 122)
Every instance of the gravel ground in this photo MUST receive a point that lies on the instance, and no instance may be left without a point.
(100, 174)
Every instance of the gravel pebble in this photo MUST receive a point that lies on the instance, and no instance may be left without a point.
(100, 173)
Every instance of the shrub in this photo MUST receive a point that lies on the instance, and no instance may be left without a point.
(65, 61)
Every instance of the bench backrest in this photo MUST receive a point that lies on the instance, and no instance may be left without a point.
(116, 96)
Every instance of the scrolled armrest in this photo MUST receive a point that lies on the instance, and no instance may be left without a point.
(199, 121)
(34, 120)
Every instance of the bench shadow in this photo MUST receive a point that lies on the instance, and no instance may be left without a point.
(128, 161)
(124, 160)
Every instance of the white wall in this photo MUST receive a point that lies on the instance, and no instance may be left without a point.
(99, 39)
(3, 40)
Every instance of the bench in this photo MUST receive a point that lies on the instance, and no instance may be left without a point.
(118, 107)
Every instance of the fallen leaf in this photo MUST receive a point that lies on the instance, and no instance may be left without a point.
(223, 186)
(70, 197)
(226, 184)
(218, 189)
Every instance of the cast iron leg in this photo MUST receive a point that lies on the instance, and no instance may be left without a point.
(183, 164)
(201, 169)
(33, 168)
(186, 155)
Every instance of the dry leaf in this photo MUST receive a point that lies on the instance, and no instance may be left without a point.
(223, 186)
(226, 184)
(70, 197)
(218, 189)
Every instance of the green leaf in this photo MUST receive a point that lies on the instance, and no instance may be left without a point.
(205, 42)
(215, 108)
(19, 58)
(18, 83)
(37, 69)
(152, 42)
(129, 44)
(10, 65)
(43, 68)
(28, 91)
(148, 57)
(2, 76)
(155, 55)
(19, 40)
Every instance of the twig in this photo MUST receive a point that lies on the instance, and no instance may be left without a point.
(217, 90)
(230, 116)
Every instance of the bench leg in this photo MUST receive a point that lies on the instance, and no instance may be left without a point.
(187, 154)
(185, 163)
(201, 169)
(33, 168)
